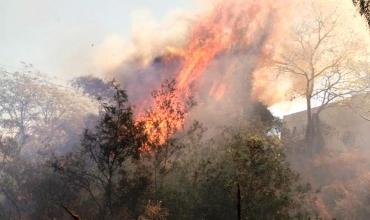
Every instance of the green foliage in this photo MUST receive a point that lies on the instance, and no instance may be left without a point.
(269, 189)
(197, 174)
(266, 181)
(204, 182)
(116, 137)
(101, 165)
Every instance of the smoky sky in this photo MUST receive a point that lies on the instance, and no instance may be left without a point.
(60, 37)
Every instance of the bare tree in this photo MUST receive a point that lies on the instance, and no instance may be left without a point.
(325, 65)
(37, 111)
(18, 95)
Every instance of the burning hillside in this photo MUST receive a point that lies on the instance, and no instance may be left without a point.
(182, 124)
(220, 63)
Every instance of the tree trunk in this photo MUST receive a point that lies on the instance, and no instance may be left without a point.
(107, 202)
(310, 125)
(313, 133)
(318, 141)
(239, 198)
(109, 197)
(155, 179)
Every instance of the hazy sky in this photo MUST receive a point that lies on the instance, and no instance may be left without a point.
(54, 34)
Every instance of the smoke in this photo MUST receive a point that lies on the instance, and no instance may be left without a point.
(223, 55)
(219, 55)
(257, 32)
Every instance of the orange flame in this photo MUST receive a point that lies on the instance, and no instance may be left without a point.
(233, 26)
(166, 116)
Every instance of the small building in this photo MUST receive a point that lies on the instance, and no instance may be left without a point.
(342, 124)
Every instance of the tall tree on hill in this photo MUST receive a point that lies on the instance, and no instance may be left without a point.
(326, 64)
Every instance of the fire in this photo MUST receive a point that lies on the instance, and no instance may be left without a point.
(167, 115)
(208, 38)
(231, 28)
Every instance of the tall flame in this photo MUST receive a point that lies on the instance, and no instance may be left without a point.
(231, 28)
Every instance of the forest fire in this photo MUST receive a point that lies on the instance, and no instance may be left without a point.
(229, 109)
(166, 116)
(221, 36)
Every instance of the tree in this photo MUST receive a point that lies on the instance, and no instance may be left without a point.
(9, 151)
(37, 118)
(327, 65)
(105, 150)
(245, 163)
(264, 183)
(245, 174)
(18, 108)
(364, 8)
(38, 112)
(162, 121)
